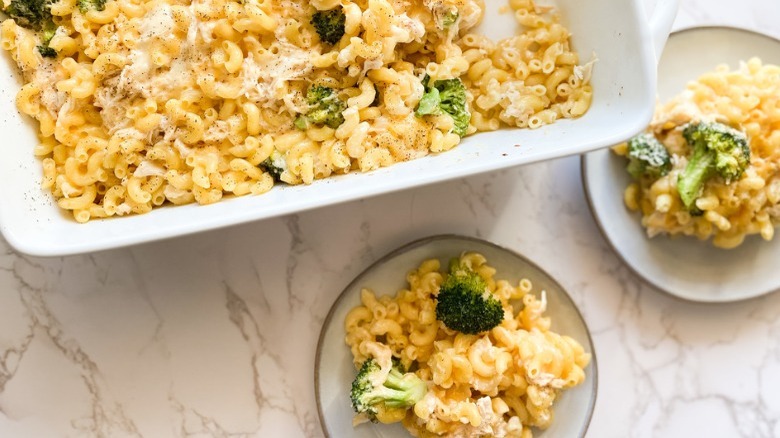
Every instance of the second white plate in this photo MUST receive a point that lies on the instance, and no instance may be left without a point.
(685, 267)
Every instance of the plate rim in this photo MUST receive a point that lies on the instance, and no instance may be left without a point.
(587, 192)
(424, 241)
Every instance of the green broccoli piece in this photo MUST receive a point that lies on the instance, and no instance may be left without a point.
(445, 15)
(446, 96)
(46, 36)
(647, 156)
(91, 5)
(449, 17)
(329, 25)
(399, 390)
(302, 123)
(46, 51)
(275, 165)
(325, 108)
(465, 304)
(717, 150)
(35, 15)
(32, 14)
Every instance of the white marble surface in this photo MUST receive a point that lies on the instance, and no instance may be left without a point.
(214, 334)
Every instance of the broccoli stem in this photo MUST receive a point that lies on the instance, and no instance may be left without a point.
(397, 390)
(697, 171)
(302, 123)
(429, 104)
(49, 29)
(400, 390)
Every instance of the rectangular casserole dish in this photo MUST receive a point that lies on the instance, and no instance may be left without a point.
(624, 81)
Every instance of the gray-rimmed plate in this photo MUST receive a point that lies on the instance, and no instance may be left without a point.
(333, 369)
(685, 267)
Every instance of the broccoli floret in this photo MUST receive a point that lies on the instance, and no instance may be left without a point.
(465, 304)
(275, 165)
(399, 390)
(32, 14)
(648, 157)
(91, 5)
(46, 51)
(35, 15)
(717, 150)
(46, 36)
(446, 96)
(329, 25)
(325, 108)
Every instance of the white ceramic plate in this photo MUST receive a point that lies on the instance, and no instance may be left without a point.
(334, 372)
(614, 30)
(685, 267)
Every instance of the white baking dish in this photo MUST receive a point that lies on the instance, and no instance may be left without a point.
(624, 79)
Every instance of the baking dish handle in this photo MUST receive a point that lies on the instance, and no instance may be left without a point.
(661, 20)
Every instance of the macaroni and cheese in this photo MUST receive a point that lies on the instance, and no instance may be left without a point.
(498, 383)
(146, 102)
(745, 99)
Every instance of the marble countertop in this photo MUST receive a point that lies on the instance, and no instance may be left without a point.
(215, 334)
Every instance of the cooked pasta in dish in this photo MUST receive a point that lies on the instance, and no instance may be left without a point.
(498, 383)
(720, 173)
(146, 102)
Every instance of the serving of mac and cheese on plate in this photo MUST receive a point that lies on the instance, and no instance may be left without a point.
(144, 103)
(442, 362)
(704, 172)
(719, 138)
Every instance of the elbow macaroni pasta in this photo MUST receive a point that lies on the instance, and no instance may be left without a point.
(498, 383)
(183, 100)
(746, 99)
